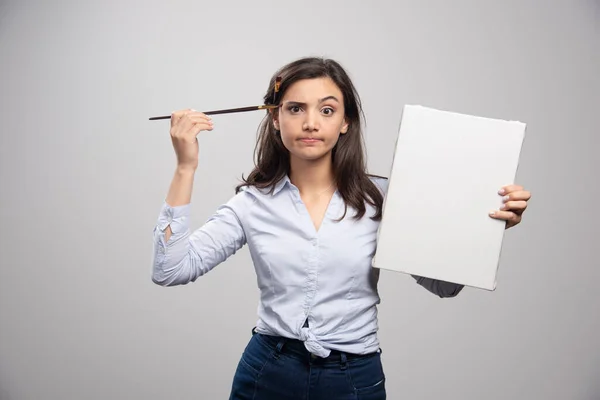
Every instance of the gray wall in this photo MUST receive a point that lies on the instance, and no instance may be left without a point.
(83, 175)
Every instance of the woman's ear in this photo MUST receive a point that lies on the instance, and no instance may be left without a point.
(345, 127)
(275, 116)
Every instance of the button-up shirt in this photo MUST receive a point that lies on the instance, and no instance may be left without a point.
(317, 286)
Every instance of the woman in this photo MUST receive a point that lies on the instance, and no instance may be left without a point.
(309, 213)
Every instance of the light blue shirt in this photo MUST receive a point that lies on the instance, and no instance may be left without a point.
(315, 286)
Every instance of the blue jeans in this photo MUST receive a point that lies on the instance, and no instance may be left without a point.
(276, 368)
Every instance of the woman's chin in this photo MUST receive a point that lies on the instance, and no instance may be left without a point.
(310, 155)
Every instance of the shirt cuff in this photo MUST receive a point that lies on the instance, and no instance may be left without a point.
(177, 217)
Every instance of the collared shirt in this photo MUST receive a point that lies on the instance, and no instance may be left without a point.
(317, 286)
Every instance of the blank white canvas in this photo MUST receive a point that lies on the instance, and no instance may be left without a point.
(445, 176)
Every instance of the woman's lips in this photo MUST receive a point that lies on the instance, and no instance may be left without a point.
(310, 140)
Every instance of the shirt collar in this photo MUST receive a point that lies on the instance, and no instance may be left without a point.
(281, 184)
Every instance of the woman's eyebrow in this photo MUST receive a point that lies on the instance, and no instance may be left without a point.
(320, 100)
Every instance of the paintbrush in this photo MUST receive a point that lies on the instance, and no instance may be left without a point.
(235, 110)
(227, 111)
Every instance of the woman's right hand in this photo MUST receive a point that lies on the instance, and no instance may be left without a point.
(185, 126)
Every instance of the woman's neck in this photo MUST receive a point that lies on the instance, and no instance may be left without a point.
(311, 177)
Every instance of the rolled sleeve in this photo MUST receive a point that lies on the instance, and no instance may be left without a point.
(188, 255)
(177, 217)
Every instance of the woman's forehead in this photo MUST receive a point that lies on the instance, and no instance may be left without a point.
(313, 89)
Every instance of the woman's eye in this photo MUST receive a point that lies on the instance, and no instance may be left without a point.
(294, 108)
(328, 111)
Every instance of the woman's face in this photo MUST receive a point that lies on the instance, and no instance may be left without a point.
(311, 118)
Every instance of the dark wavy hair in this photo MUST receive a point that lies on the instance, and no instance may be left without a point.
(272, 161)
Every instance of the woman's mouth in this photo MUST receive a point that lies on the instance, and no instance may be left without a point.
(310, 140)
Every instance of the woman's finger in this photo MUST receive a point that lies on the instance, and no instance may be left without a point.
(201, 114)
(510, 217)
(177, 115)
(199, 118)
(517, 195)
(190, 120)
(509, 189)
(191, 134)
(200, 126)
(180, 122)
(515, 206)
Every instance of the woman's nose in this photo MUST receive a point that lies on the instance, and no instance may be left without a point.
(310, 123)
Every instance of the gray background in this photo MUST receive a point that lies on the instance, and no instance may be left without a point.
(83, 175)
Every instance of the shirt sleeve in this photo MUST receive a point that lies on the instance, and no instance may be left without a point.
(438, 287)
(188, 255)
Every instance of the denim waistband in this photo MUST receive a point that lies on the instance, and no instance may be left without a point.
(296, 348)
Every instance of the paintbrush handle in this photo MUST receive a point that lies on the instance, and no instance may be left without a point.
(227, 111)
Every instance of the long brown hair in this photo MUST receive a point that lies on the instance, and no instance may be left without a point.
(272, 161)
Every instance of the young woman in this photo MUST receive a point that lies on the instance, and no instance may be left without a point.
(309, 213)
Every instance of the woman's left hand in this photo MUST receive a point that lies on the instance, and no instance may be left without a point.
(515, 202)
